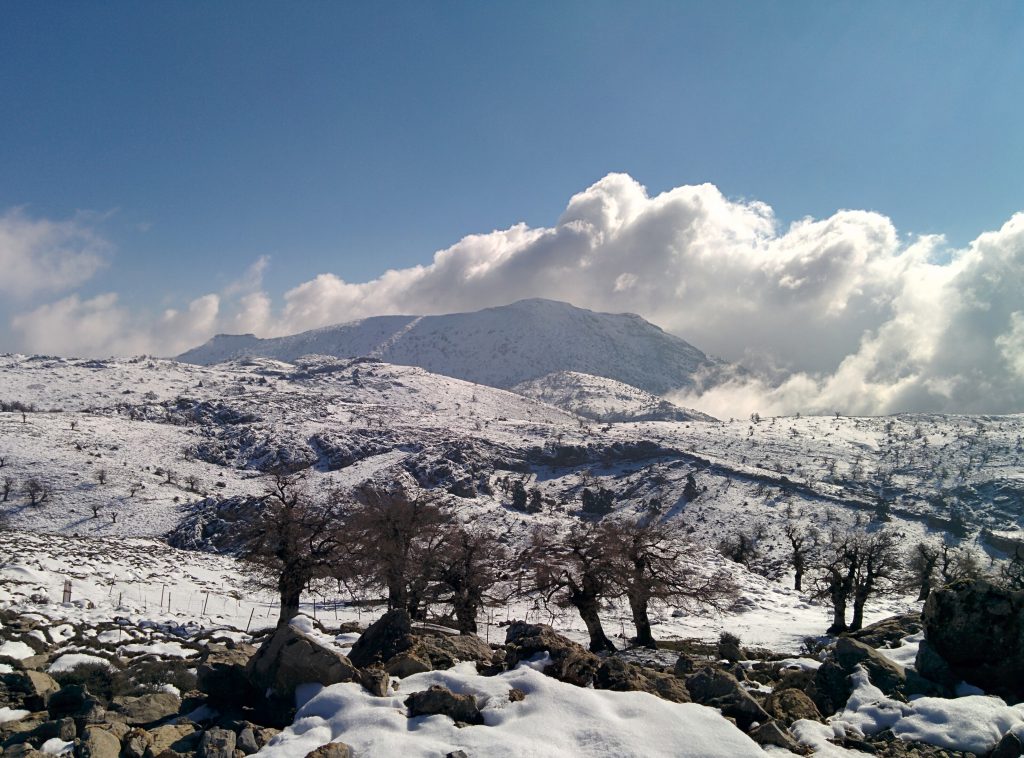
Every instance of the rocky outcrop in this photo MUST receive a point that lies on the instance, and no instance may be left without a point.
(888, 676)
(290, 658)
(620, 676)
(393, 643)
(977, 628)
(570, 662)
(722, 690)
(791, 705)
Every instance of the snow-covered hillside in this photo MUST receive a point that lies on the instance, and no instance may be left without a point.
(500, 347)
(173, 440)
(606, 400)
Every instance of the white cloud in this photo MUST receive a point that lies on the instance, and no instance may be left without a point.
(39, 255)
(831, 314)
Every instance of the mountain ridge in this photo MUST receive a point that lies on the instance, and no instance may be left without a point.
(501, 346)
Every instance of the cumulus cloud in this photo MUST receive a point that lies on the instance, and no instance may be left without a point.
(826, 314)
(40, 255)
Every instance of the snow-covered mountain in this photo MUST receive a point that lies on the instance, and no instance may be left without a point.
(606, 400)
(500, 347)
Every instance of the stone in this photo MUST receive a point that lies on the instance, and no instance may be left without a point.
(246, 741)
(136, 743)
(375, 680)
(217, 743)
(385, 638)
(147, 709)
(438, 700)
(516, 695)
(620, 676)
(888, 676)
(791, 705)
(470, 647)
(407, 664)
(456, 754)
(830, 689)
(888, 632)
(290, 658)
(720, 689)
(770, 733)
(684, 666)
(570, 662)
(1010, 746)
(98, 742)
(222, 674)
(22, 750)
(331, 750)
(977, 628)
(177, 737)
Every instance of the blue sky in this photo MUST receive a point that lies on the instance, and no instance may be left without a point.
(182, 141)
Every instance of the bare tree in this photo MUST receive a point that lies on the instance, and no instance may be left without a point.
(395, 539)
(192, 482)
(878, 570)
(134, 488)
(802, 541)
(471, 564)
(101, 476)
(292, 543)
(38, 491)
(837, 572)
(654, 562)
(6, 485)
(1012, 572)
(573, 569)
(95, 510)
(922, 565)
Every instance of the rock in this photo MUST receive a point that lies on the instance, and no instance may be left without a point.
(516, 695)
(720, 689)
(290, 658)
(331, 750)
(385, 638)
(181, 738)
(407, 664)
(222, 674)
(931, 665)
(441, 700)
(771, 733)
(791, 705)
(470, 647)
(888, 632)
(978, 629)
(217, 743)
(456, 754)
(830, 689)
(28, 690)
(888, 676)
(147, 709)
(98, 742)
(136, 743)
(684, 666)
(570, 662)
(75, 701)
(265, 734)
(23, 750)
(375, 680)
(1010, 746)
(620, 676)
(246, 741)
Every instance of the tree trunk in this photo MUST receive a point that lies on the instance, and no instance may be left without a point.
(587, 606)
(858, 614)
(638, 607)
(465, 613)
(798, 579)
(926, 588)
(838, 612)
(290, 590)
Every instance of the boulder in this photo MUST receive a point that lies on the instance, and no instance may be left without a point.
(684, 666)
(136, 743)
(620, 676)
(770, 733)
(26, 690)
(375, 680)
(978, 629)
(721, 690)
(181, 738)
(222, 674)
(246, 741)
(385, 638)
(888, 632)
(438, 700)
(217, 743)
(98, 742)
(791, 705)
(406, 664)
(570, 662)
(331, 750)
(891, 678)
(1010, 746)
(147, 709)
(290, 658)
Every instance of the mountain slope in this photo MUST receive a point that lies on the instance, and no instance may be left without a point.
(603, 399)
(499, 347)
